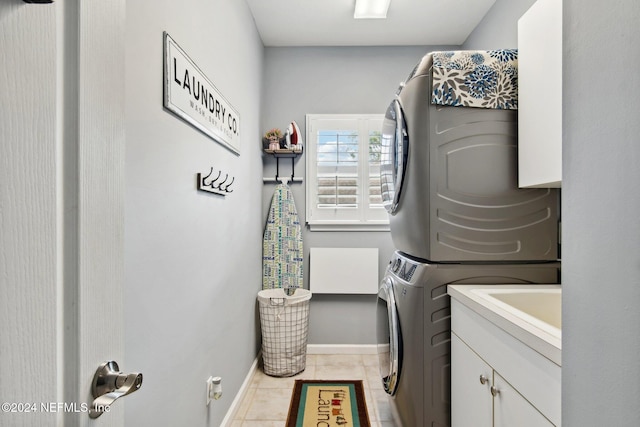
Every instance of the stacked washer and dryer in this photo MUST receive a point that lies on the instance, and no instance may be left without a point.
(449, 183)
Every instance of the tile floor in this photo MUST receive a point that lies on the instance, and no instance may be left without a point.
(269, 409)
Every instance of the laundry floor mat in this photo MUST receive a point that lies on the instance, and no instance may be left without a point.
(328, 403)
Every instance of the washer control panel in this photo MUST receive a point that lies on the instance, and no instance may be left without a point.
(403, 267)
(407, 272)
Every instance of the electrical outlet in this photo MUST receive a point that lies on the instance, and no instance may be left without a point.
(214, 389)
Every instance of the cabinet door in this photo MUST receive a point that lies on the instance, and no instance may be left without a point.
(540, 95)
(511, 409)
(470, 399)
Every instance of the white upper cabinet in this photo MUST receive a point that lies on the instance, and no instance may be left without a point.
(540, 95)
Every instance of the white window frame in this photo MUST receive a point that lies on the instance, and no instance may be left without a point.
(364, 217)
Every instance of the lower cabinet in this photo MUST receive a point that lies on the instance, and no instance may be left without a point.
(511, 409)
(471, 378)
(481, 397)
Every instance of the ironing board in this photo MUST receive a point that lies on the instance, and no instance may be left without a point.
(282, 254)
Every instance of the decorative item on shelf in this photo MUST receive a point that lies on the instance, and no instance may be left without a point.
(217, 185)
(273, 139)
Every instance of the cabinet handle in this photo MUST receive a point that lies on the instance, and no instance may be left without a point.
(494, 391)
(483, 379)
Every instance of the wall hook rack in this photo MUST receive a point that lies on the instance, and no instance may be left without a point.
(215, 185)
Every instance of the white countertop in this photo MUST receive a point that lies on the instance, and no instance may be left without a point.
(538, 335)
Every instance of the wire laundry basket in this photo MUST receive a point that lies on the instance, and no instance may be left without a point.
(285, 327)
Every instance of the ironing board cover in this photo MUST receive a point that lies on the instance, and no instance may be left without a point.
(282, 254)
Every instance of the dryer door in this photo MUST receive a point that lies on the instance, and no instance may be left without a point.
(389, 338)
(393, 161)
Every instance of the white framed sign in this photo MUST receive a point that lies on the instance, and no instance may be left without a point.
(190, 95)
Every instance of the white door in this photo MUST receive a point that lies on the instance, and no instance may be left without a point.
(62, 178)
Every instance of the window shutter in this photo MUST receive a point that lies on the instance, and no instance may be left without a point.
(337, 169)
(343, 171)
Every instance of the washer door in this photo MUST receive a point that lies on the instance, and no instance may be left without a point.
(389, 338)
(393, 161)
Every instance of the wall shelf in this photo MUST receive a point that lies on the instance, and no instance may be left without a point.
(283, 153)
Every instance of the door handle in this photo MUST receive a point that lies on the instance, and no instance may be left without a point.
(109, 384)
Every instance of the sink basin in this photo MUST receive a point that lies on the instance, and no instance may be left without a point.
(544, 304)
(531, 313)
(540, 307)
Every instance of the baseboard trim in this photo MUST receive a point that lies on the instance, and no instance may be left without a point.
(342, 349)
(237, 401)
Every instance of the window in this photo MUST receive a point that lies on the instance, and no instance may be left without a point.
(343, 172)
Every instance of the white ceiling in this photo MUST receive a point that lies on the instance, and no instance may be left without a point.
(331, 23)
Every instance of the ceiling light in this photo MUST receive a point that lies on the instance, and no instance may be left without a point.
(371, 9)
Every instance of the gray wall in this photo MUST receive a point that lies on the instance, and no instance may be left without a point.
(300, 81)
(601, 224)
(192, 260)
(499, 28)
(178, 319)
(601, 184)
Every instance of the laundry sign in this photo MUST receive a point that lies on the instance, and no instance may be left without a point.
(190, 95)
